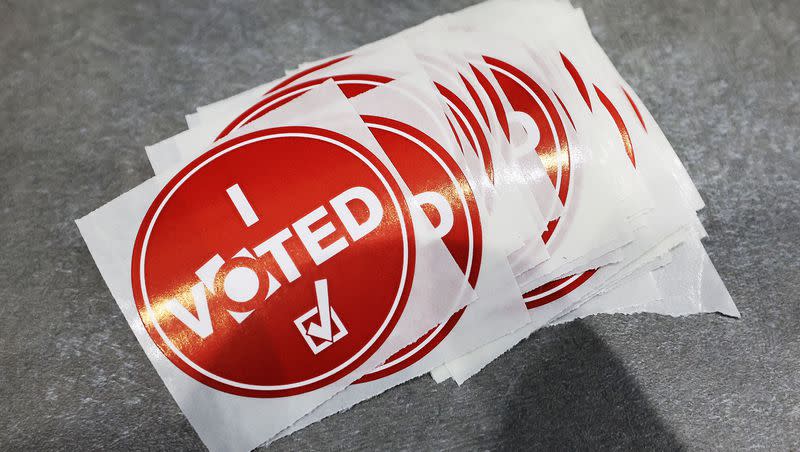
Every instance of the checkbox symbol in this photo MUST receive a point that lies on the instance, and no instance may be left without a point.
(321, 326)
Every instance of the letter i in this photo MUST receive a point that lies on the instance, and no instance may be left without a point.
(242, 205)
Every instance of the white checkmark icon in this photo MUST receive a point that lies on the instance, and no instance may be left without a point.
(323, 330)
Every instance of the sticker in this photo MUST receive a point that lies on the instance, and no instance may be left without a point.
(252, 280)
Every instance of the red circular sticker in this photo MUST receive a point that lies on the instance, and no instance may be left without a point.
(276, 263)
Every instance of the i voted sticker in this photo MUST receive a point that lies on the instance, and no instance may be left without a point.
(276, 263)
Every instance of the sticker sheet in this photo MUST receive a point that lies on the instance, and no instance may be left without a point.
(418, 205)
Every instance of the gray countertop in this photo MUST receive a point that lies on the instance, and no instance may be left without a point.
(84, 85)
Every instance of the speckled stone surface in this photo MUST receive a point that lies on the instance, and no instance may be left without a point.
(84, 85)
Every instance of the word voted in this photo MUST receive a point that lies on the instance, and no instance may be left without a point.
(241, 282)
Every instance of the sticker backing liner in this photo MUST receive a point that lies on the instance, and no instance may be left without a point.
(249, 421)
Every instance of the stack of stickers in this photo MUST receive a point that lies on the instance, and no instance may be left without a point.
(418, 205)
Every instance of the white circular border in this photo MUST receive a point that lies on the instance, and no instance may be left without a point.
(219, 379)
